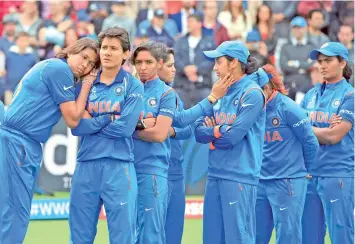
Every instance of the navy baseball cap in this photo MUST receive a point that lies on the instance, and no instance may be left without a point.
(299, 22)
(331, 49)
(159, 13)
(234, 49)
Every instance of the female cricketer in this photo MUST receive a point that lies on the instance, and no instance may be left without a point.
(44, 94)
(290, 146)
(330, 191)
(105, 171)
(235, 134)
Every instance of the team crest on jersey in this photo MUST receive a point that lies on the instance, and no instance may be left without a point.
(92, 95)
(119, 90)
(311, 103)
(336, 103)
(152, 102)
(275, 121)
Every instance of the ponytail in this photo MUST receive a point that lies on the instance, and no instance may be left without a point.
(251, 66)
(276, 81)
(347, 71)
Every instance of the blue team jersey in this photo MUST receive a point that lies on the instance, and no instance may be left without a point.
(323, 102)
(2, 112)
(123, 97)
(150, 157)
(237, 153)
(175, 171)
(289, 141)
(35, 106)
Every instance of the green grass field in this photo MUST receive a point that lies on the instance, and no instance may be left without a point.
(57, 231)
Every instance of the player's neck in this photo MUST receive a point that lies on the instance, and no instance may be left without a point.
(334, 80)
(108, 75)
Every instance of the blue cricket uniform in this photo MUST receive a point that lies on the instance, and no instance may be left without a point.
(105, 171)
(330, 193)
(28, 122)
(151, 163)
(234, 163)
(290, 146)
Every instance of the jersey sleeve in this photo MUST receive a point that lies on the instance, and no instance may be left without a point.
(184, 118)
(60, 81)
(250, 110)
(91, 126)
(183, 133)
(346, 110)
(168, 104)
(301, 127)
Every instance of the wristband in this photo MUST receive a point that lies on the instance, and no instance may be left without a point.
(140, 125)
(174, 134)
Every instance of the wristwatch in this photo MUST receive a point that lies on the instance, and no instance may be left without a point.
(140, 125)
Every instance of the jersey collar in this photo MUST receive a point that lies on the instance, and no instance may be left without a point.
(331, 85)
(244, 79)
(152, 83)
(119, 77)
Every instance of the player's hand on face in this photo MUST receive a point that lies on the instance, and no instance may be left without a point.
(209, 122)
(335, 121)
(220, 88)
(91, 77)
(150, 122)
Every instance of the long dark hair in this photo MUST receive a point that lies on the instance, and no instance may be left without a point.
(347, 71)
(78, 47)
(270, 22)
(250, 67)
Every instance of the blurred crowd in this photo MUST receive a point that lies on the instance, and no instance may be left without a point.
(277, 32)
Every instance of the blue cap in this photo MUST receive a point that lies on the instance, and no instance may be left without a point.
(298, 21)
(159, 13)
(234, 49)
(82, 15)
(253, 36)
(261, 77)
(331, 49)
(10, 18)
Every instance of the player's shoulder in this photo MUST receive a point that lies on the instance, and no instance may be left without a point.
(56, 65)
(132, 81)
(167, 90)
(290, 106)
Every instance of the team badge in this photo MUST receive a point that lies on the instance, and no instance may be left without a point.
(152, 102)
(275, 122)
(336, 103)
(92, 95)
(119, 90)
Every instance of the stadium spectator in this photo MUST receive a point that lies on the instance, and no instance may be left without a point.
(8, 36)
(84, 26)
(20, 53)
(180, 18)
(235, 19)
(156, 31)
(193, 70)
(282, 13)
(346, 37)
(342, 14)
(292, 59)
(29, 20)
(306, 6)
(211, 26)
(264, 24)
(119, 18)
(51, 31)
(257, 48)
(315, 19)
(98, 11)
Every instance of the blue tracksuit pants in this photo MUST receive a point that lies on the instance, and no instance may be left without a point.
(279, 204)
(20, 159)
(174, 224)
(152, 206)
(229, 212)
(105, 181)
(329, 202)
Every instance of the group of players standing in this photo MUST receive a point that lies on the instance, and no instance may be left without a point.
(269, 164)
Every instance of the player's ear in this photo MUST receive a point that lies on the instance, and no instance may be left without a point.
(126, 54)
(160, 63)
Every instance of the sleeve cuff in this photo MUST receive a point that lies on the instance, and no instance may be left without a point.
(212, 147)
(216, 131)
(206, 105)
